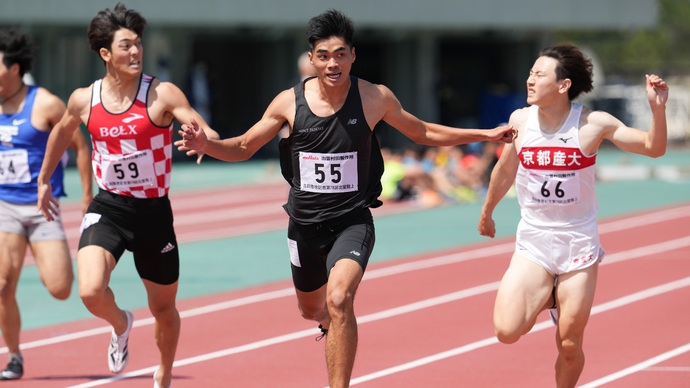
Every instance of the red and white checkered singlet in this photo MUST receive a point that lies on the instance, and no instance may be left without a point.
(131, 155)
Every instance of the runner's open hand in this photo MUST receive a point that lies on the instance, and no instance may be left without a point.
(46, 204)
(193, 139)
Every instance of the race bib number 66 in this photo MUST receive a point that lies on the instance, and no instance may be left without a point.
(328, 173)
(560, 188)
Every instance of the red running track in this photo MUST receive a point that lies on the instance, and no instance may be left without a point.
(424, 321)
(221, 212)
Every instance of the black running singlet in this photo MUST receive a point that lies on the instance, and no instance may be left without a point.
(333, 164)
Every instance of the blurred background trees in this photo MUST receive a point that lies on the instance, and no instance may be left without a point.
(624, 55)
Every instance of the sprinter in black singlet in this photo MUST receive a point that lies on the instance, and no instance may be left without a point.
(333, 163)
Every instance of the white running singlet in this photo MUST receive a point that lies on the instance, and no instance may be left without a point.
(555, 185)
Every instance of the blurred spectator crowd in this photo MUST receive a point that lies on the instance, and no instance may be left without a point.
(433, 176)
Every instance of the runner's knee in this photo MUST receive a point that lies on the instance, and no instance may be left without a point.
(165, 315)
(6, 290)
(8, 284)
(509, 331)
(61, 292)
(569, 349)
(506, 336)
(339, 301)
(91, 296)
(61, 287)
(311, 313)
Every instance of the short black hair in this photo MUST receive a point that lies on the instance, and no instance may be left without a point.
(17, 47)
(328, 24)
(107, 22)
(574, 65)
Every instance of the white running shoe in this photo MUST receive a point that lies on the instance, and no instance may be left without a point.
(155, 383)
(118, 354)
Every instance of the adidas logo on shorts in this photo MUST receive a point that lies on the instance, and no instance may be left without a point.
(168, 248)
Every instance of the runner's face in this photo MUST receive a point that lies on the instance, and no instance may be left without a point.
(332, 59)
(6, 78)
(126, 52)
(542, 84)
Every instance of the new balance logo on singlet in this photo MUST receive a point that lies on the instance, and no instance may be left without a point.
(351, 121)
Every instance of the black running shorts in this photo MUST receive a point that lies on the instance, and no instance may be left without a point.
(142, 226)
(315, 248)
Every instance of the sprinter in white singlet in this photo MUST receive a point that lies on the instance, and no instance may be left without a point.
(552, 165)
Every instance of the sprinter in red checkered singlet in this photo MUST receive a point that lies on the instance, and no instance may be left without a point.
(129, 116)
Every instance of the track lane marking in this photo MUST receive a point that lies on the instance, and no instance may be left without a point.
(639, 367)
(447, 298)
(598, 309)
(431, 302)
(667, 215)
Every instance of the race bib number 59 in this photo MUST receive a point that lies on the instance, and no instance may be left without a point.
(328, 173)
(132, 170)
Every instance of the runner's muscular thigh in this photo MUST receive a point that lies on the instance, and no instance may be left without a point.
(346, 274)
(12, 252)
(525, 287)
(53, 262)
(94, 265)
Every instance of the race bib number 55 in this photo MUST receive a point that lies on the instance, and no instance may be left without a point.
(328, 173)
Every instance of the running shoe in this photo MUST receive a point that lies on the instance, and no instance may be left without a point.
(13, 371)
(324, 332)
(155, 383)
(118, 354)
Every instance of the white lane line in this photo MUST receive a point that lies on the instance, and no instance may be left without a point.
(392, 270)
(684, 369)
(285, 292)
(626, 300)
(639, 367)
(454, 296)
(150, 321)
(645, 219)
(466, 293)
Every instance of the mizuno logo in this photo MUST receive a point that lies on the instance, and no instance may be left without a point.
(564, 140)
(18, 122)
(133, 116)
(168, 248)
(351, 121)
